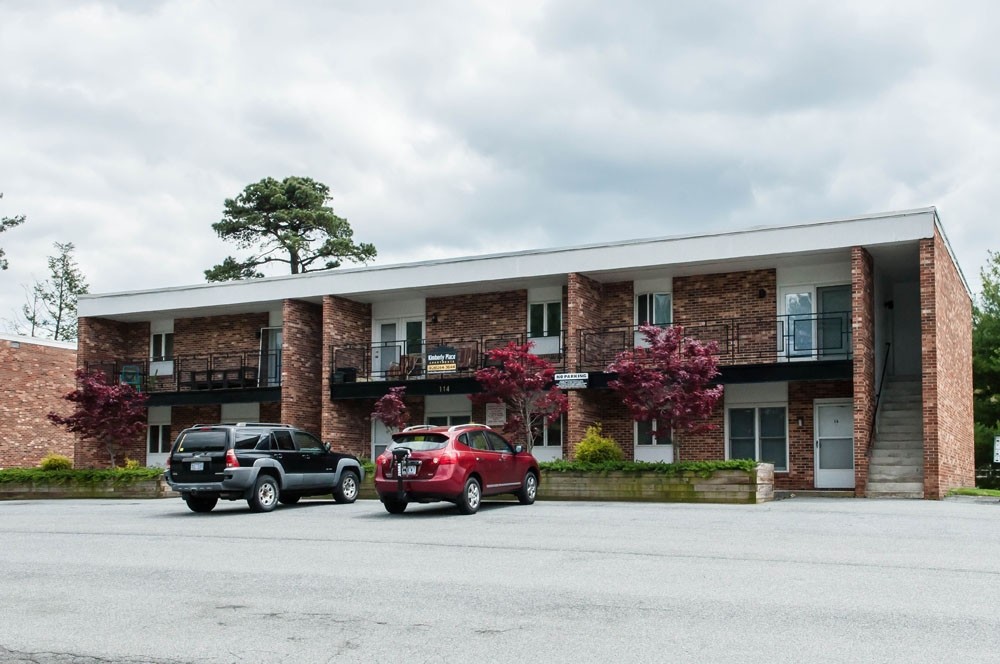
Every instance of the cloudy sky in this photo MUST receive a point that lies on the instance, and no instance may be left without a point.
(456, 128)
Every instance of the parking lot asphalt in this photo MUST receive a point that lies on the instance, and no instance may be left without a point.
(798, 580)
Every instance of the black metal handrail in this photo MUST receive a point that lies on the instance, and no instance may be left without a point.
(183, 373)
(408, 359)
(751, 340)
(878, 397)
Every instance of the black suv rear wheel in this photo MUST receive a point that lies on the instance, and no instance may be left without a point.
(265, 494)
(347, 488)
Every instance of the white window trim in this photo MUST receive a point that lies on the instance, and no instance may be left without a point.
(757, 405)
(635, 306)
(656, 443)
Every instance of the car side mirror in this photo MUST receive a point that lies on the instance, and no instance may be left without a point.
(518, 449)
(326, 446)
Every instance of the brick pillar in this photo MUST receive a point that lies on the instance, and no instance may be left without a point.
(583, 311)
(302, 365)
(346, 424)
(863, 347)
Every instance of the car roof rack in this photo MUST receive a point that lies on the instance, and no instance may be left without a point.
(459, 427)
(245, 424)
(419, 427)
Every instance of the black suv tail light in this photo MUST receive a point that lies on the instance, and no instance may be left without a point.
(231, 460)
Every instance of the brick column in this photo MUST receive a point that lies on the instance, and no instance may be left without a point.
(302, 365)
(345, 424)
(863, 347)
(583, 311)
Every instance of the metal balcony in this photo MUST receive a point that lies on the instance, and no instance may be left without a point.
(194, 373)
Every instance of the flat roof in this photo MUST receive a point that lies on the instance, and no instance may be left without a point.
(676, 255)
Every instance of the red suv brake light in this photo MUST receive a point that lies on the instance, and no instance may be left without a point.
(446, 458)
(231, 460)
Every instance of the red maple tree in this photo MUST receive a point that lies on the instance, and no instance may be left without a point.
(668, 382)
(391, 410)
(524, 383)
(108, 413)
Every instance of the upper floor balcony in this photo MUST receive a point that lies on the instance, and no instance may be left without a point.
(249, 369)
(739, 342)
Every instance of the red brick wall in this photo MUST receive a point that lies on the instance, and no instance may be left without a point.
(107, 340)
(705, 305)
(182, 417)
(33, 380)
(270, 411)
(618, 304)
(302, 365)
(705, 445)
(498, 314)
(236, 333)
(863, 347)
(345, 322)
(946, 356)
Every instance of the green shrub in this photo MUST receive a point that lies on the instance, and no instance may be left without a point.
(596, 448)
(131, 464)
(700, 468)
(52, 461)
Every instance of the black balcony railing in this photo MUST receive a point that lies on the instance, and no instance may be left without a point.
(739, 341)
(185, 373)
(423, 358)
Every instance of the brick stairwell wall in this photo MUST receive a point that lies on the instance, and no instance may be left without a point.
(946, 357)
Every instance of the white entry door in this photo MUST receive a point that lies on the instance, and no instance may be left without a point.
(834, 431)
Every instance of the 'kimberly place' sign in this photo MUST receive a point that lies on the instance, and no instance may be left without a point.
(442, 359)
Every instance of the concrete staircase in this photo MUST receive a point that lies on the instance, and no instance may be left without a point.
(896, 467)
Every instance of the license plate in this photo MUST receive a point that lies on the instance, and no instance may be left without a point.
(197, 466)
(409, 471)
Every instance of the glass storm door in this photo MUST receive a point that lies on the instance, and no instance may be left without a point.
(834, 327)
(834, 447)
(799, 334)
(270, 357)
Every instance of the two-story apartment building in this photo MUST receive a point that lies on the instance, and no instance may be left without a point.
(844, 347)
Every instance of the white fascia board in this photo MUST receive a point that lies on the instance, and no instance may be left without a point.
(36, 341)
(716, 248)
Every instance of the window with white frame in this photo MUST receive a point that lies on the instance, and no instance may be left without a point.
(544, 319)
(759, 433)
(158, 439)
(551, 435)
(644, 435)
(161, 346)
(653, 308)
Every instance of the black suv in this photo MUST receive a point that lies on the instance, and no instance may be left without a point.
(264, 464)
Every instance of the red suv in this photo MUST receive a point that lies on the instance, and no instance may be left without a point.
(460, 464)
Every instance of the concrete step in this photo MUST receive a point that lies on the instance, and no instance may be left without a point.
(902, 473)
(914, 455)
(898, 443)
(899, 418)
(895, 489)
(899, 432)
(908, 404)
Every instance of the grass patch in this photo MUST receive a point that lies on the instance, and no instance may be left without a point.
(995, 493)
(699, 468)
(82, 477)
